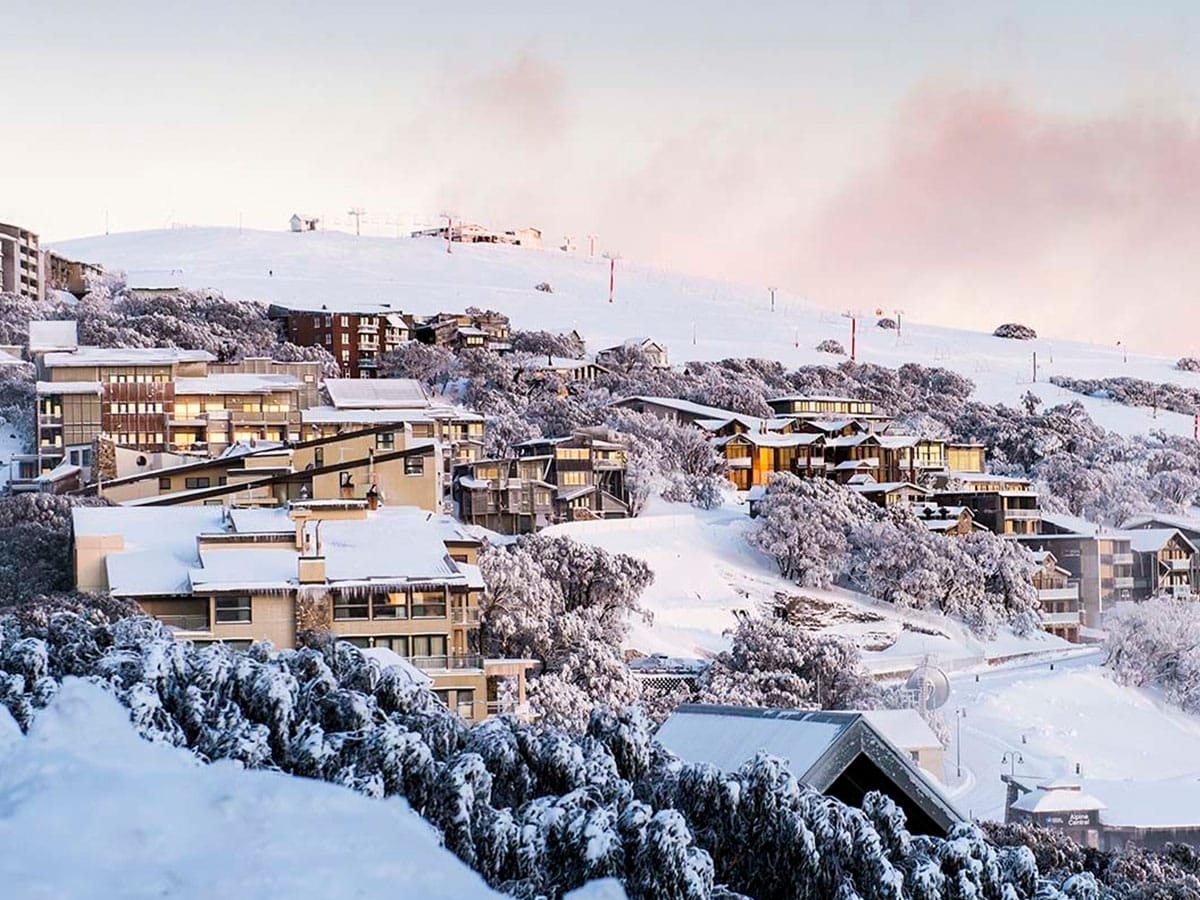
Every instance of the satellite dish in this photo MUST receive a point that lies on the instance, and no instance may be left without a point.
(930, 686)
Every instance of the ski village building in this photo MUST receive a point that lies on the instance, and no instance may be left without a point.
(550, 480)
(841, 754)
(403, 403)
(154, 401)
(1108, 815)
(355, 334)
(397, 578)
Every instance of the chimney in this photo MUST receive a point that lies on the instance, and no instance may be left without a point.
(311, 564)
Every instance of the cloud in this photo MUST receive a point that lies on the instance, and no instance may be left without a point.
(984, 208)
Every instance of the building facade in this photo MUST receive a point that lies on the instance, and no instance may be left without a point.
(395, 579)
(21, 263)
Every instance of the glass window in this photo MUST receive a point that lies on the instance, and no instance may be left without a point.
(414, 465)
(385, 440)
(233, 609)
(350, 607)
(192, 484)
(164, 484)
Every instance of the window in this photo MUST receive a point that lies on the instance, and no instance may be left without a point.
(345, 356)
(345, 321)
(164, 484)
(350, 607)
(390, 606)
(429, 605)
(319, 457)
(572, 479)
(192, 484)
(233, 610)
(344, 480)
(414, 465)
(429, 645)
(385, 440)
(396, 643)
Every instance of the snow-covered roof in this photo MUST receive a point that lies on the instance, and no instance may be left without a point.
(850, 465)
(61, 472)
(903, 727)
(47, 335)
(126, 356)
(50, 388)
(1151, 540)
(1064, 798)
(376, 393)
(827, 398)
(886, 487)
(726, 737)
(770, 439)
(328, 415)
(1159, 520)
(159, 544)
(699, 410)
(236, 383)
(9, 359)
(326, 306)
(161, 555)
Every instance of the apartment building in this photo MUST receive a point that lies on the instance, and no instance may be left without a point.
(393, 577)
(1100, 562)
(1058, 596)
(550, 480)
(471, 330)
(384, 465)
(355, 334)
(70, 275)
(1188, 526)
(1164, 562)
(157, 399)
(829, 437)
(654, 353)
(1004, 505)
(358, 404)
(20, 263)
(820, 406)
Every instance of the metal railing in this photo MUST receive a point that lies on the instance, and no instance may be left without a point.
(1067, 593)
(1068, 618)
(448, 661)
(1023, 515)
(467, 616)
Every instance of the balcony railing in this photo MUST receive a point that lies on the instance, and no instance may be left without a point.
(468, 616)
(197, 622)
(448, 661)
(1122, 559)
(1067, 593)
(1178, 565)
(1067, 618)
(1123, 583)
(511, 707)
(1023, 515)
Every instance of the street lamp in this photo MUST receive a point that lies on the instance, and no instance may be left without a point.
(1013, 758)
(959, 715)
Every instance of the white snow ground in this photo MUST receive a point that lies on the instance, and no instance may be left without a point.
(704, 570)
(697, 318)
(1136, 753)
(89, 809)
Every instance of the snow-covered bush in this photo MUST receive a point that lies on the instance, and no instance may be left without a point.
(1015, 331)
(535, 810)
(568, 605)
(831, 346)
(548, 343)
(820, 533)
(887, 324)
(1188, 364)
(1157, 644)
(773, 663)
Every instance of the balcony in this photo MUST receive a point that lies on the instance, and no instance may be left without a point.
(467, 616)
(448, 661)
(1178, 565)
(1123, 583)
(366, 326)
(1067, 593)
(1023, 515)
(1068, 618)
(507, 707)
(1122, 559)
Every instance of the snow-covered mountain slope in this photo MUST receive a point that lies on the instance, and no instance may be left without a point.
(89, 809)
(698, 319)
(704, 570)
